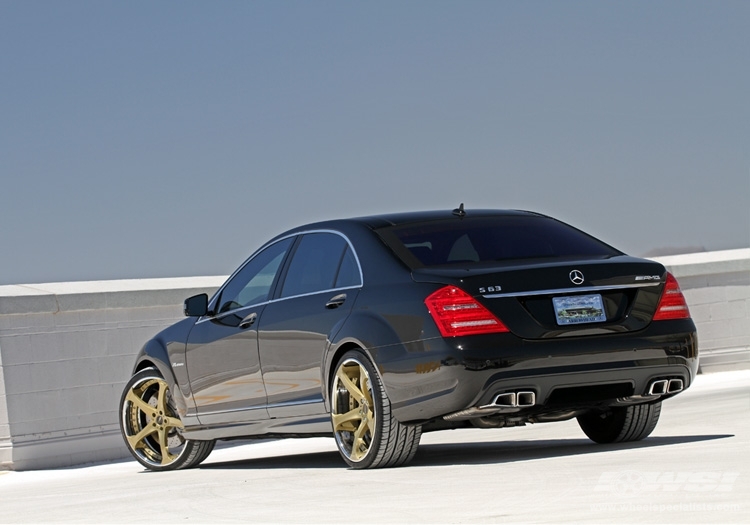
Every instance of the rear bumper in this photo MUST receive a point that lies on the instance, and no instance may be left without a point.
(438, 377)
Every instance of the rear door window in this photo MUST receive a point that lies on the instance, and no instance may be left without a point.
(322, 261)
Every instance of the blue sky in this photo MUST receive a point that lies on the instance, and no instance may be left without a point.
(157, 139)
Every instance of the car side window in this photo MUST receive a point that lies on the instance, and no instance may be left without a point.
(315, 264)
(348, 271)
(252, 284)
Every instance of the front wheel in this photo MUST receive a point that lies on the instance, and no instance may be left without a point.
(620, 424)
(151, 428)
(367, 435)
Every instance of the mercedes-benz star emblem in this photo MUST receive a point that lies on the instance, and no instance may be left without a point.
(576, 276)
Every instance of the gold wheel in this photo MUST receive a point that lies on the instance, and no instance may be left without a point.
(367, 433)
(352, 410)
(150, 426)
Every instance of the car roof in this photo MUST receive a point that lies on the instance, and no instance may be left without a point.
(374, 222)
(397, 219)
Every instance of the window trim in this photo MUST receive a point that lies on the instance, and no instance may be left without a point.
(275, 288)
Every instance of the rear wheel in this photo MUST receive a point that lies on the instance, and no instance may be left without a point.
(151, 428)
(367, 435)
(621, 424)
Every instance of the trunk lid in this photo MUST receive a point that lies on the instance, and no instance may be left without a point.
(539, 299)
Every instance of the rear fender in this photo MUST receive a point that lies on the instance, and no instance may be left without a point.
(380, 342)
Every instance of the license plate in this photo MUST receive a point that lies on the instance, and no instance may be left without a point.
(579, 309)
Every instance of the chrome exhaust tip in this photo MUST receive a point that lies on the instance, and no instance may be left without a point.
(515, 399)
(658, 387)
(525, 399)
(505, 403)
(674, 386)
(505, 400)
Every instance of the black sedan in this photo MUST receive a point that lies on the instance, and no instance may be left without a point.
(373, 330)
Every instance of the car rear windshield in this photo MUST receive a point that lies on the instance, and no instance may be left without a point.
(489, 239)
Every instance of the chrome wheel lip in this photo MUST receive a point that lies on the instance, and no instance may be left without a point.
(345, 447)
(151, 440)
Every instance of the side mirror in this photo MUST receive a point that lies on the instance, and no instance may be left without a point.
(196, 305)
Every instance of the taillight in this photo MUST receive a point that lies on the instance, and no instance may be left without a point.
(457, 313)
(672, 304)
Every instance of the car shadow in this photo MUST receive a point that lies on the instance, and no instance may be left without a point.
(512, 451)
(464, 453)
(311, 460)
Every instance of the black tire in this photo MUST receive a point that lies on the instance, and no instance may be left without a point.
(621, 424)
(366, 433)
(151, 428)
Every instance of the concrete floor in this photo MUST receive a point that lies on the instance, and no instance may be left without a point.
(693, 469)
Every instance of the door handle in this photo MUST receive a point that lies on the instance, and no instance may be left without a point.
(336, 301)
(249, 320)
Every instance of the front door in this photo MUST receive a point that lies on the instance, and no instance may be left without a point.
(222, 352)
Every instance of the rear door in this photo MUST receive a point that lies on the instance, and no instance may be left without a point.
(313, 300)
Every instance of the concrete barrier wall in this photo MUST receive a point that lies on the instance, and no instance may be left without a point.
(716, 286)
(67, 349)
